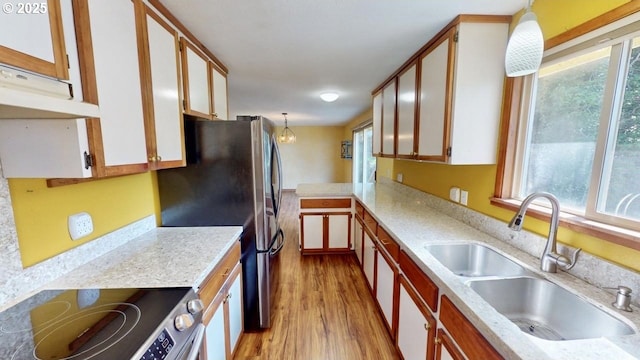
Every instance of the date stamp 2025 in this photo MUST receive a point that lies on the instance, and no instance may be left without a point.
(24, 8)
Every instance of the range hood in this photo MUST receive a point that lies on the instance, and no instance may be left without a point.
(24, 95)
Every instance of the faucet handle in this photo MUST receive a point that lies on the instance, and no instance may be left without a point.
(565, 262)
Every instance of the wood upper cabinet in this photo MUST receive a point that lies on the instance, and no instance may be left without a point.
(406, 113)
(219, 107)
(461, 88)
(109, 59)
(160, 57)
(389, 119)
(196, 80)
(376, 142)
(40, 46)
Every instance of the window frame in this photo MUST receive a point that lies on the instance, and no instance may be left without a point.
(508, 150)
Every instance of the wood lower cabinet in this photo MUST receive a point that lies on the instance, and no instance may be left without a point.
(468, 338)
(221, 294)
(416, 325)
(325, 225)
(369, 259)
(387, 289)
(358, 237)
(445, 347)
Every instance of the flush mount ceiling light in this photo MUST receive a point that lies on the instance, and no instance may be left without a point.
(287, 136)
(329, 96)
(525, 47)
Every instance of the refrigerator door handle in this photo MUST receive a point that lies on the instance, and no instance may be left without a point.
(274, 241)
(275, 150)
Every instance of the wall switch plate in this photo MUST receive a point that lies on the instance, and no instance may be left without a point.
(464, 197)
(80, 225)
(454, 194)
(399, 177)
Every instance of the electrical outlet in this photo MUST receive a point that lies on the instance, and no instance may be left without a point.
(464, 197)
(80, 225)
(454, 194)
(399, 177)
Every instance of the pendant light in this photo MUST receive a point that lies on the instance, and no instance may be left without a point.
(287, 136)
(525, 47)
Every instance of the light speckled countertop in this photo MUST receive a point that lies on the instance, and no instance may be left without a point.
(162, 257)
(412, 219)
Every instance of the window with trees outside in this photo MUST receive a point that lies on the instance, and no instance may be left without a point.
(364, 163)
(579, 131)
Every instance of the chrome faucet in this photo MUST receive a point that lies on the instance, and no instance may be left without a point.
(550, 258)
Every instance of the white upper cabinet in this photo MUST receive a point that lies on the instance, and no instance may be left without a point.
(461, 89)
(40, 45)
(406, 112)
(376, 142)
(164, 125)
(389, 119)
(218, 93)
(195, 75)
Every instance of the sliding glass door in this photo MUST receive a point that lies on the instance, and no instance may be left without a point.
(364, 163)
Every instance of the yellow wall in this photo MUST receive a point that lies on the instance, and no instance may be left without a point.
(314, 157)
(41, 213)
(554, 17)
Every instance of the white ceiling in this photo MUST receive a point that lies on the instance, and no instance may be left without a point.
(281, 54)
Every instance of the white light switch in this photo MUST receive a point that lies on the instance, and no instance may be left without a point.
(464, 197)
(454, 194)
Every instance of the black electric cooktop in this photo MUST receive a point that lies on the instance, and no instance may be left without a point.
(87, 324)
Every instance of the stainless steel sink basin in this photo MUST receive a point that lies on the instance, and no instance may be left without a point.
(474, 260)
(545, 310)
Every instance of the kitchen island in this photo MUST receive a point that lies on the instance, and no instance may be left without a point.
(414, 219)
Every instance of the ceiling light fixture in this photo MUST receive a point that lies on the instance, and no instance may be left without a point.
(525, 47)
(329, 96)
(287, 136)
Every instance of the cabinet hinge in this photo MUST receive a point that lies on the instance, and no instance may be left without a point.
(456, 36)
(184, 104)
(449, 151)
(68, 64)
(88, 160)
(180, 46)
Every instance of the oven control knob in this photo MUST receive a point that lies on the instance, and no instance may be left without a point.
(195, 306)
(183, 322)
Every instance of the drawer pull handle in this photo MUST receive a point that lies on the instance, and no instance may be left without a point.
(226, 272)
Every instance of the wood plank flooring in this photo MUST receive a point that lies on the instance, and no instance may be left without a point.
(323, 309)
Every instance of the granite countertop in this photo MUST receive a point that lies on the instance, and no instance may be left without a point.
(162, 257)
(332, 189)
(409, 216)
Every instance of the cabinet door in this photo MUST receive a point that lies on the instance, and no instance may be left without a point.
(234, 303)
(195, 80)
(406, 112)
(312, 231)
(376, 142)
(357, 240)
(416, 325)
(435, 87)
(385, 287)
(40, 45)
(389, 119)
(369, 255)
(163, 115)
(338, 231)
(446, 348)
(108, 53)
(218, 93)
(215, 333)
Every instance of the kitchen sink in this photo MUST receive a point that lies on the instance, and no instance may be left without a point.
(545, 310)
(473, 260)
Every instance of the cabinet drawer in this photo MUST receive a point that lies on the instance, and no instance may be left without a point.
(389, 244)
(469, 339)
(359, 209)
(325, 203)
(370, 223)
(423, 284)
(213, 283)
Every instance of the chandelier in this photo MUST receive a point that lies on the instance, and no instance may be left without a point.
(287, 136)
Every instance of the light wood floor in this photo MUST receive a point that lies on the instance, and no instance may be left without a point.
(323, 309)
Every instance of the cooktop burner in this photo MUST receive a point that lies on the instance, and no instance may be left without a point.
(88, 324)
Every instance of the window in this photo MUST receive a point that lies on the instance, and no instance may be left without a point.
(364, 163)
(579, 131)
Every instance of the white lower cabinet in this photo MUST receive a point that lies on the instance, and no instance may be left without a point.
(215, 334)
(357, 239)
(313, 231)
(385, 287)
(416, 325)
(234, 300)
(369, 255)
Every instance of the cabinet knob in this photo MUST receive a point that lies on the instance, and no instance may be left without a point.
(152, 158)
(215, 115)
(159, 158)
(438, 340)
(427, 326)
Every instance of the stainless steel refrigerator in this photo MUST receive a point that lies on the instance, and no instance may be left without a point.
(232, 177)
